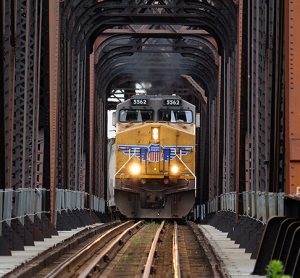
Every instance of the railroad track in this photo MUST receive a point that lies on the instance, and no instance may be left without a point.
(93, 257)
(176, 252)
(140, 249)
(165, 250)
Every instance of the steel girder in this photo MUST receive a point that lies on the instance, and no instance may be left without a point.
(8, 76)
(75, 99)
(21, 61)
(170, 76)
(277, 150)
(200, 45)
(177, 42)
(117, 56)
(183, 44)
(89, 19)
(265, 44)
(2, 126)
(187, 65)
(73, 113)
(292, 99)
(54, 75)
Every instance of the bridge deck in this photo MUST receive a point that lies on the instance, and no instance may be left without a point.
(9, 263)
(236, 261)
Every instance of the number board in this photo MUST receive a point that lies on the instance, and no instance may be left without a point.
(139, 101)
(173, 102)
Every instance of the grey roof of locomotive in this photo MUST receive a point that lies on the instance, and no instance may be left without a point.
(156, 102)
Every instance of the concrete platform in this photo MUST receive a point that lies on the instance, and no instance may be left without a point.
(236, 261)
(8, 263)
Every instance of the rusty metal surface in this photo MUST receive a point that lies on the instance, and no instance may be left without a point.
(10, 52)
(176, 259)
(150, 258)
(92, 124)
(99, 261)
(132, 257)
(198, 89)
(2, 127)
(238, 103)
(54, 83)
(292, 97)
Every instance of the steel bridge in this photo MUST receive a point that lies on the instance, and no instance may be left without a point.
(64, 64)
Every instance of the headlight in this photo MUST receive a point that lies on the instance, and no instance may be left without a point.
(155, 133)
(174, 169)
(135, 169)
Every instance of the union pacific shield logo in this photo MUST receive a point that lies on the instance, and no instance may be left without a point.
(155, 152)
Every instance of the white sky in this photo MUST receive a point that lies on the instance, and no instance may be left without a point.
(110, 128)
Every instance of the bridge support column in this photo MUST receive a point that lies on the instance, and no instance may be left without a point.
(54, 40)
(292, 98)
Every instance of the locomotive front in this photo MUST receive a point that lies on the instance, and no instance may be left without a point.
(155, 157)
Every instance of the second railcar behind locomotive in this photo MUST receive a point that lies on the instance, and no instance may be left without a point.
(155, 157)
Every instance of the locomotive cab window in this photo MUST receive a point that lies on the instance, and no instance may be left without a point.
(135, 115)
(175, 116)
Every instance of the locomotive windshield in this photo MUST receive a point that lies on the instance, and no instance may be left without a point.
(175, 116)
(136, 115)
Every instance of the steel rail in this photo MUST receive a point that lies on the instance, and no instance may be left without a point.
(67, 264)
(149, 263)
(176, 261)
(111, 249)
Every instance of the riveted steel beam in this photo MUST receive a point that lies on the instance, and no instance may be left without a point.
(9, 48)
(161, 33)
(155, 75)
(92, 125)
(54, 39)
(276, 173)
(2, 126)
(115, 54)
(191, 66)
(181, 44)
(91, 15)
(238, 105)
(197, 88)
(292, 97)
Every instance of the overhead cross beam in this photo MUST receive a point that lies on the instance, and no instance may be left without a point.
(197, 88)
(197, 55)
(86, 21)
(159, 72)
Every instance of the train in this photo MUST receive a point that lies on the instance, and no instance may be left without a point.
(154, 157)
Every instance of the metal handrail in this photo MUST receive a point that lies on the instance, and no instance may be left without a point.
(256, 205)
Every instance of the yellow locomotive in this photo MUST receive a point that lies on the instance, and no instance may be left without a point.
(155, 157)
